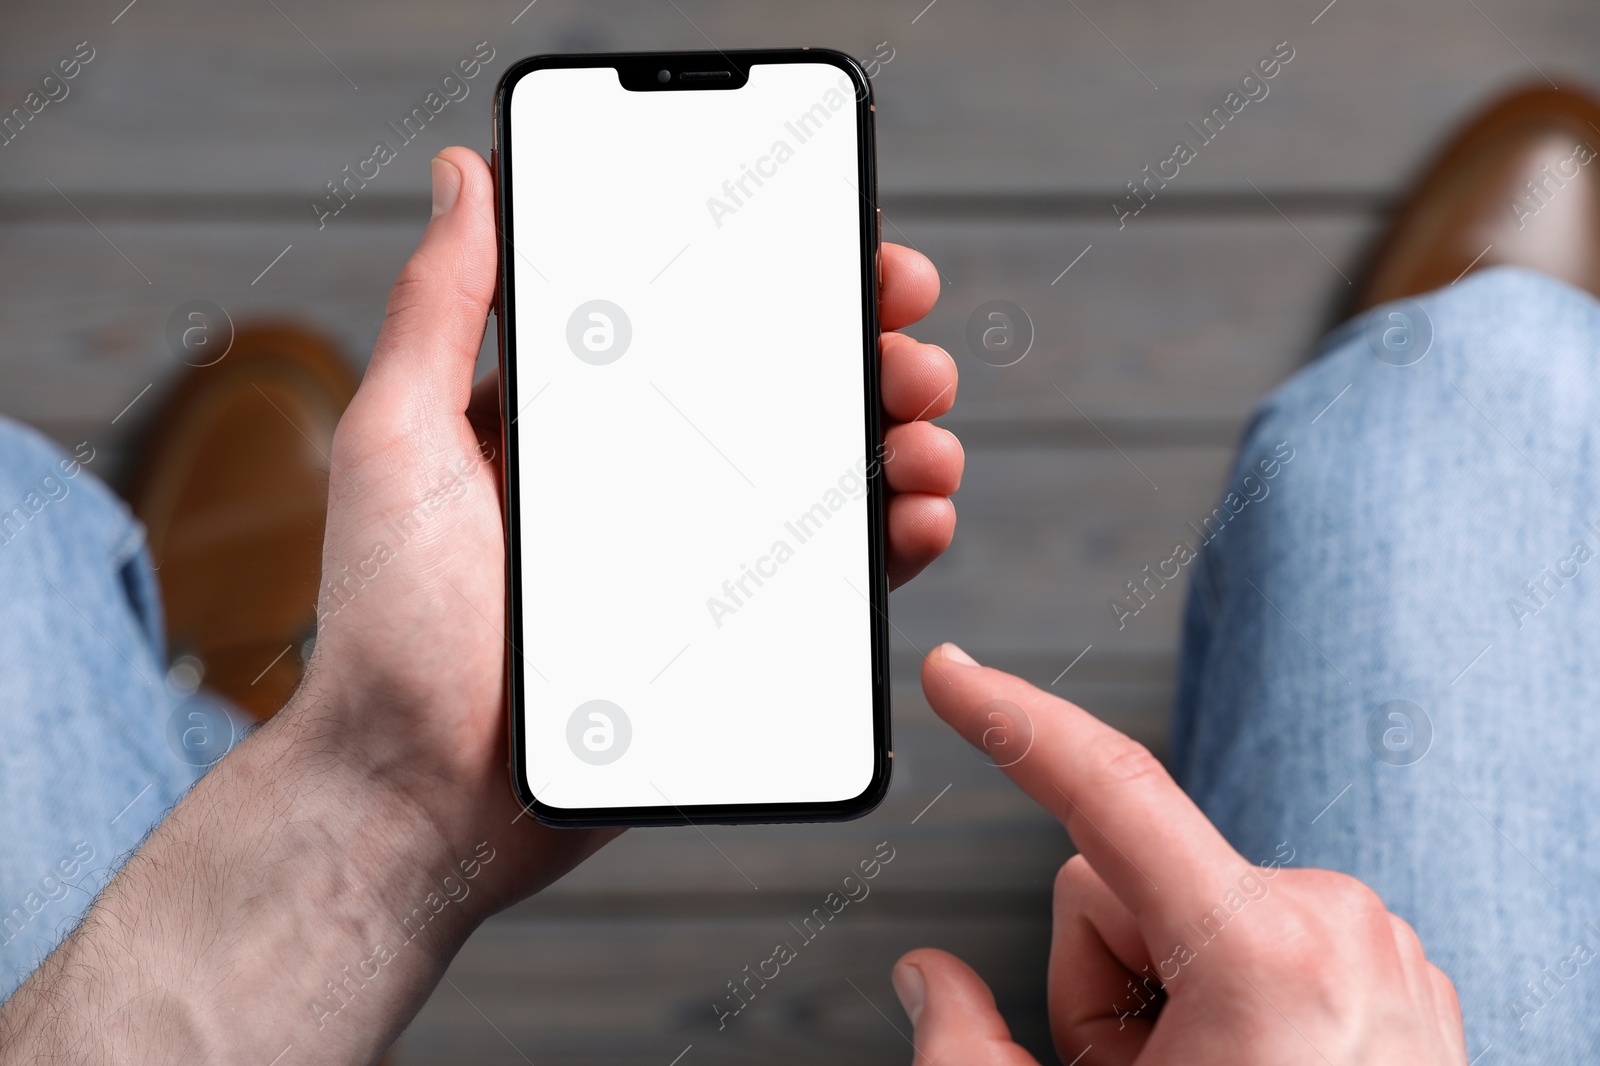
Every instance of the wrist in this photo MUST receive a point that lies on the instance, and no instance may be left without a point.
(290, 899)
(374, 817)
(328, 884)
(430, 786)
(421, 741)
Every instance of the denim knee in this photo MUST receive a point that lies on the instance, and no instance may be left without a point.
(36, 479)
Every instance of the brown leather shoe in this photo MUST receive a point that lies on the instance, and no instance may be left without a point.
(1520, 185)
(233, 493)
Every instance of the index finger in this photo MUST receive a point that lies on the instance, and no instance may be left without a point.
(1147, 840)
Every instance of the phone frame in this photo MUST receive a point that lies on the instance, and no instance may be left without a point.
(638, 72)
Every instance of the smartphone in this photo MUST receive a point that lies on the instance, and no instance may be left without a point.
(694, 490)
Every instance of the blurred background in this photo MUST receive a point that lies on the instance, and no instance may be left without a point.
(183, 165)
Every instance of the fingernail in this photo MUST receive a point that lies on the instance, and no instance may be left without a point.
(910, 987)
(956, 655)
(446, 185)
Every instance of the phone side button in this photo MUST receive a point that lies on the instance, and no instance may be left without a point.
(494, 176)
(877, 249)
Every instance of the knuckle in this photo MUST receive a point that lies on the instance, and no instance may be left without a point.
(369, 435)
(1346, 897)
(1287, 944)
(1123, 763)
(1364, 908)
(1446, 990)
(410, 287)
(1405, 937)
(437, 284)
(1335, 914)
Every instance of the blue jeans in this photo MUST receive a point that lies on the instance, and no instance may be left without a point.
(1389, 657)
(1385, 666)
(97, 746)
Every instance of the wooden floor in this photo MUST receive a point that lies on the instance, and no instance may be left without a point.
(183, 163)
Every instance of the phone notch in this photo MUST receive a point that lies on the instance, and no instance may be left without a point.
(681, 72)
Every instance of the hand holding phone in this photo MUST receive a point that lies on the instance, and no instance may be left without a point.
(408, 675)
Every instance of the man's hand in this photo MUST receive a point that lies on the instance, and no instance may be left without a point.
(308, 893)
(1169, 946)
(415, 658)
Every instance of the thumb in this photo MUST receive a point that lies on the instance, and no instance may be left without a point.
(954, 1013)
(439, 305)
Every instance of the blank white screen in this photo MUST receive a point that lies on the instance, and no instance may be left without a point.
(726, 440)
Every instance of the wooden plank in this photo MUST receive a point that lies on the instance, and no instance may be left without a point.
(88, 331)
(1012, 95)
(1046, 539)
(616, 989)
(1165, 334)
(1184, 322)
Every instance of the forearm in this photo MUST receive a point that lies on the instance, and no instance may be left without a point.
(287, 901)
